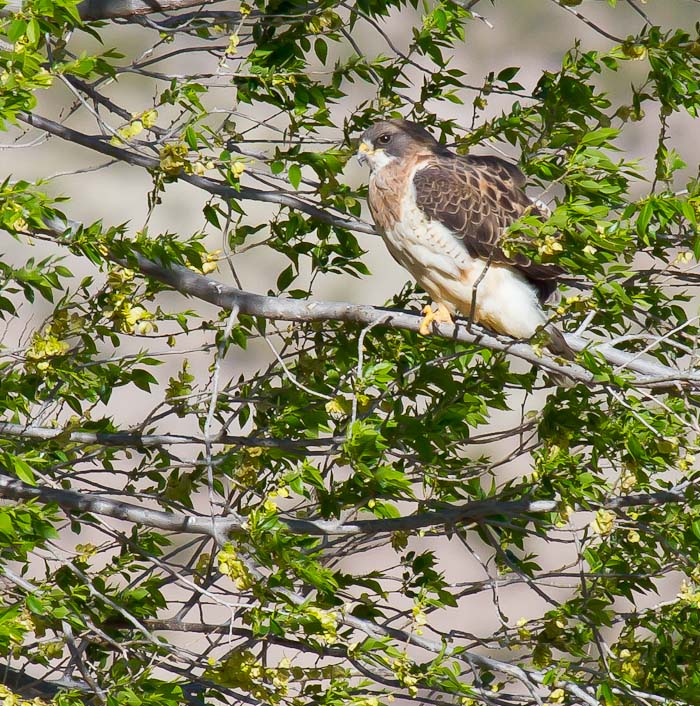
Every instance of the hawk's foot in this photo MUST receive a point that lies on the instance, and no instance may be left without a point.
(441, 315)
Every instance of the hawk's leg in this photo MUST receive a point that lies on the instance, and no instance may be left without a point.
(441, 315)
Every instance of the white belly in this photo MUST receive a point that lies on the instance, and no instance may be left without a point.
(505, 301)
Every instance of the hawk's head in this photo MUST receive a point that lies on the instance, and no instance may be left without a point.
(390, 140)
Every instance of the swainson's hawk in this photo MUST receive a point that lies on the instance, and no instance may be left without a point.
(441, 216)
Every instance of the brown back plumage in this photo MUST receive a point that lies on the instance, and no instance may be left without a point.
(477, 198)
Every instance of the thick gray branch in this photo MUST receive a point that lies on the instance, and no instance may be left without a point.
(99, 505)
(138, 440)
(220, 528)
(649, 373)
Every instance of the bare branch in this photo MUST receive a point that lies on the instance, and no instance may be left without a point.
(138, 440)
(281, 198)
(100, 505)
(110, 9)
(588, 22)
(220, 528)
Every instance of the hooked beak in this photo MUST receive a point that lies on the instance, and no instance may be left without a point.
(363, 152)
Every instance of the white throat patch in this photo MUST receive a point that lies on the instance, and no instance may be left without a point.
(378, 159)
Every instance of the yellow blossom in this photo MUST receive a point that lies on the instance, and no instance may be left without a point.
(564, 515)
(328, 620)
(688, 594)
(86, 550)
(237, 168)
(130, 318)
(557, 696)
(201, 568)
(172, 158)
(119, 275)
(523, 632)
(337, 408)
(211, 261)
(687, 462)
(149, 117)
(630, 665)
(419, 616)
(550, 245)
(230, 565)
(233, 42)
(134, 128)
(627, 481)
(43, 348)
(603, 522)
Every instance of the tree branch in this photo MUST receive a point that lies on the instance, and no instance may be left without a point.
(650, 374)
(70, 500)
(220, 528)
(138, 440)
(110, 9)
(33, 687)
(188, 282)
(212, 186)
(184, 280)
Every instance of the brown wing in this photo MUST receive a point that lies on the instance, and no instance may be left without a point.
(478, 198)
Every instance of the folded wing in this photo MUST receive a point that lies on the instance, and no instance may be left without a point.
(477, 198)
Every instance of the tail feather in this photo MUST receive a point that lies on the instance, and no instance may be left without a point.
(557, 343)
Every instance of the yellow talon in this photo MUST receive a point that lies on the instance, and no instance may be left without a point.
(428, 319)
(441, 315)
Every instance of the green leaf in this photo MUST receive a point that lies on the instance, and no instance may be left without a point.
(321, 49)
(294, 175)
(143, 379)
(191, 137)
(23, 471)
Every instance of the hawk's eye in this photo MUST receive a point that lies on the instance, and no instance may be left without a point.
(384, 139)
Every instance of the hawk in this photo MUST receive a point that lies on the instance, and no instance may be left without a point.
(441, 216)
